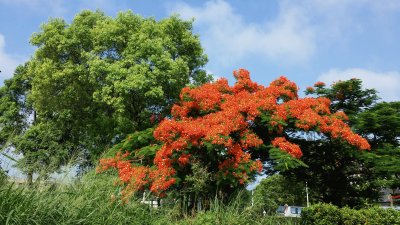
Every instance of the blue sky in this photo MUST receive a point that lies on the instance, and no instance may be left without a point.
(307, 41)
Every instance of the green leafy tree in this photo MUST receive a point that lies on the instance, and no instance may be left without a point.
(97, 79)
(381, 125)
(100, 78)
(15, 110)
(21, 131)
(336, 172)
(41, 150)
(351, 177)
(277, 190)
(14, 107)
(385, 162)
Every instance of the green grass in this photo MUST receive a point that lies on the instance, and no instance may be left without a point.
(88, 202)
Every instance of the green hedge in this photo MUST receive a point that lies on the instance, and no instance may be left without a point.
(325, 214)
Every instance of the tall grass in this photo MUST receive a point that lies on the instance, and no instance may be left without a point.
(88, 202)
(85, 202)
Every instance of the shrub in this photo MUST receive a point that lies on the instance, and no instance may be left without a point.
(380, 216)
(328, 214)
(321, 214)
(351, 216)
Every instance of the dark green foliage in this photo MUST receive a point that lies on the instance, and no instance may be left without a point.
(325, 214)
(14, 107)
(380, 124)
(385, 165)
(336, 174)
(199, 183)
(40, 146)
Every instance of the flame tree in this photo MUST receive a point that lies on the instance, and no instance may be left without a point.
(228, 133)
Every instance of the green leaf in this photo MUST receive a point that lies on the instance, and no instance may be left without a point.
(284, 161)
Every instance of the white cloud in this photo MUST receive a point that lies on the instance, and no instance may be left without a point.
(8, 63)
(227, 38)
(386, 83)
(339, 19)
(298, 30)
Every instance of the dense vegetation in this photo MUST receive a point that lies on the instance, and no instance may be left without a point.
(88, 201)
(132, 91)
(223, 135)
(336, 173)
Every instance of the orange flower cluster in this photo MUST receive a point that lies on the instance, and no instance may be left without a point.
(223, 116)
(137, 177)
(283, 144)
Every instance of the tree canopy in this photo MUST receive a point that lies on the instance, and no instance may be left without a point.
(14, 107)
(347, 96)
(381, 126)
(93, 81)
(231, 131)
(337, 173)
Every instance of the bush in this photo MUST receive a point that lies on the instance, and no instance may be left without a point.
(351, 216)
(380, 216)
(321, 214)
(328, 214)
